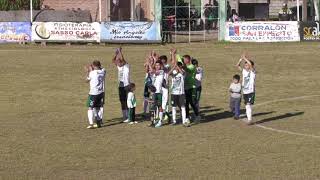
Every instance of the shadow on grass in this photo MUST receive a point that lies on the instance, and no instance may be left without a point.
(209, 110)
(280, 117)
(117, 121)
(206, 107)
(227, 114)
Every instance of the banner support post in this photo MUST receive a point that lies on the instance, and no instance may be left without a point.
(100, 13)
(222, 19)
(31, 14)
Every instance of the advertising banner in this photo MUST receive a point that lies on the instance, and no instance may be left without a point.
(260, 31)
(65, 31)
(310, 31)
(15, 32)
(130, 32)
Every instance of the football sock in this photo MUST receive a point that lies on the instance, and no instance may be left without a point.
(249, 112)
(161, 115)
(183, 114)
(145, 105)
(90, 116)
(174, 114)
(157, 113)
(100, 113)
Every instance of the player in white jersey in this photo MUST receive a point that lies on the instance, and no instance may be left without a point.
(165, 87)
(199, 77)
(248, 85)
(96, 78)
(149, 64)
(178, 98)
(158, 77)
(124, 81)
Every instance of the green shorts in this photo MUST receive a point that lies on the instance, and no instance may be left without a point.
(95, 101)
(158, 99)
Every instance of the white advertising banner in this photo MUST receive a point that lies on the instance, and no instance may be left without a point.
(65, 31)
(262, 31)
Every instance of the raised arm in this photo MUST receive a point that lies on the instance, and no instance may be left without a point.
(121, 56)
(114, 59)
(248, 62)
(172, 69)
(181, 70)
(173, 53)
(239, 64)
(88, 69)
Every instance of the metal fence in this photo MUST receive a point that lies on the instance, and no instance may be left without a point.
(184, 21)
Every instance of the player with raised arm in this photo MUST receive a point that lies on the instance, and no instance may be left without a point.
(248, 84)
(95, 76)
(123, 79)
(165, 86)
(158, 76)
(190, 87)
(178, 93)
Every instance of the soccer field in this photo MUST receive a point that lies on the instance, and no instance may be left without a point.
(43, 117)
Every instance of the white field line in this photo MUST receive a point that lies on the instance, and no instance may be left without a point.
(287, 132)
(284, 131)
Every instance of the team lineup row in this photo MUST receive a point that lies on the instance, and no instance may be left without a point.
(182, 79)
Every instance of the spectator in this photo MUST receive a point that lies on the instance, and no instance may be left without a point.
(194, 17)
(234, 16)
(208, 14)
(228, 10)
(168, 27)
(285, 14)
(215, 13)
(115, 9)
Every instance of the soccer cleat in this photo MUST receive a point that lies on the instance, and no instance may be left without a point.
(197, 120)
(249, 123)
(131, 123)
(126, 121)
(173, 123)
(99, 124)
(166, 118)
(186, 124)
(90, 127)
(158, 125)
(136, 122)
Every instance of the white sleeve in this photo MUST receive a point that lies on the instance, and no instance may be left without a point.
(199, 76)
(90, 76)
(129, 100)
(105, 72)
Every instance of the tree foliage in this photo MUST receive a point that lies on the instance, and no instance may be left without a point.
(12, 5)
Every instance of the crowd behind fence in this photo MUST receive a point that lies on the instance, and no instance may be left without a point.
(189, 23)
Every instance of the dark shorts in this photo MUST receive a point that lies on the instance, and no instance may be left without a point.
(198, 93)
(249, 98)
(178, 100)
(158, 99)
(123, 93)
(146, 92)
(95, 101)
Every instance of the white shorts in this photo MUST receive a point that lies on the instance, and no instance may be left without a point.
(165, 98)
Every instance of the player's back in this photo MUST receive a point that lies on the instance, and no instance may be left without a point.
(97, 81)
